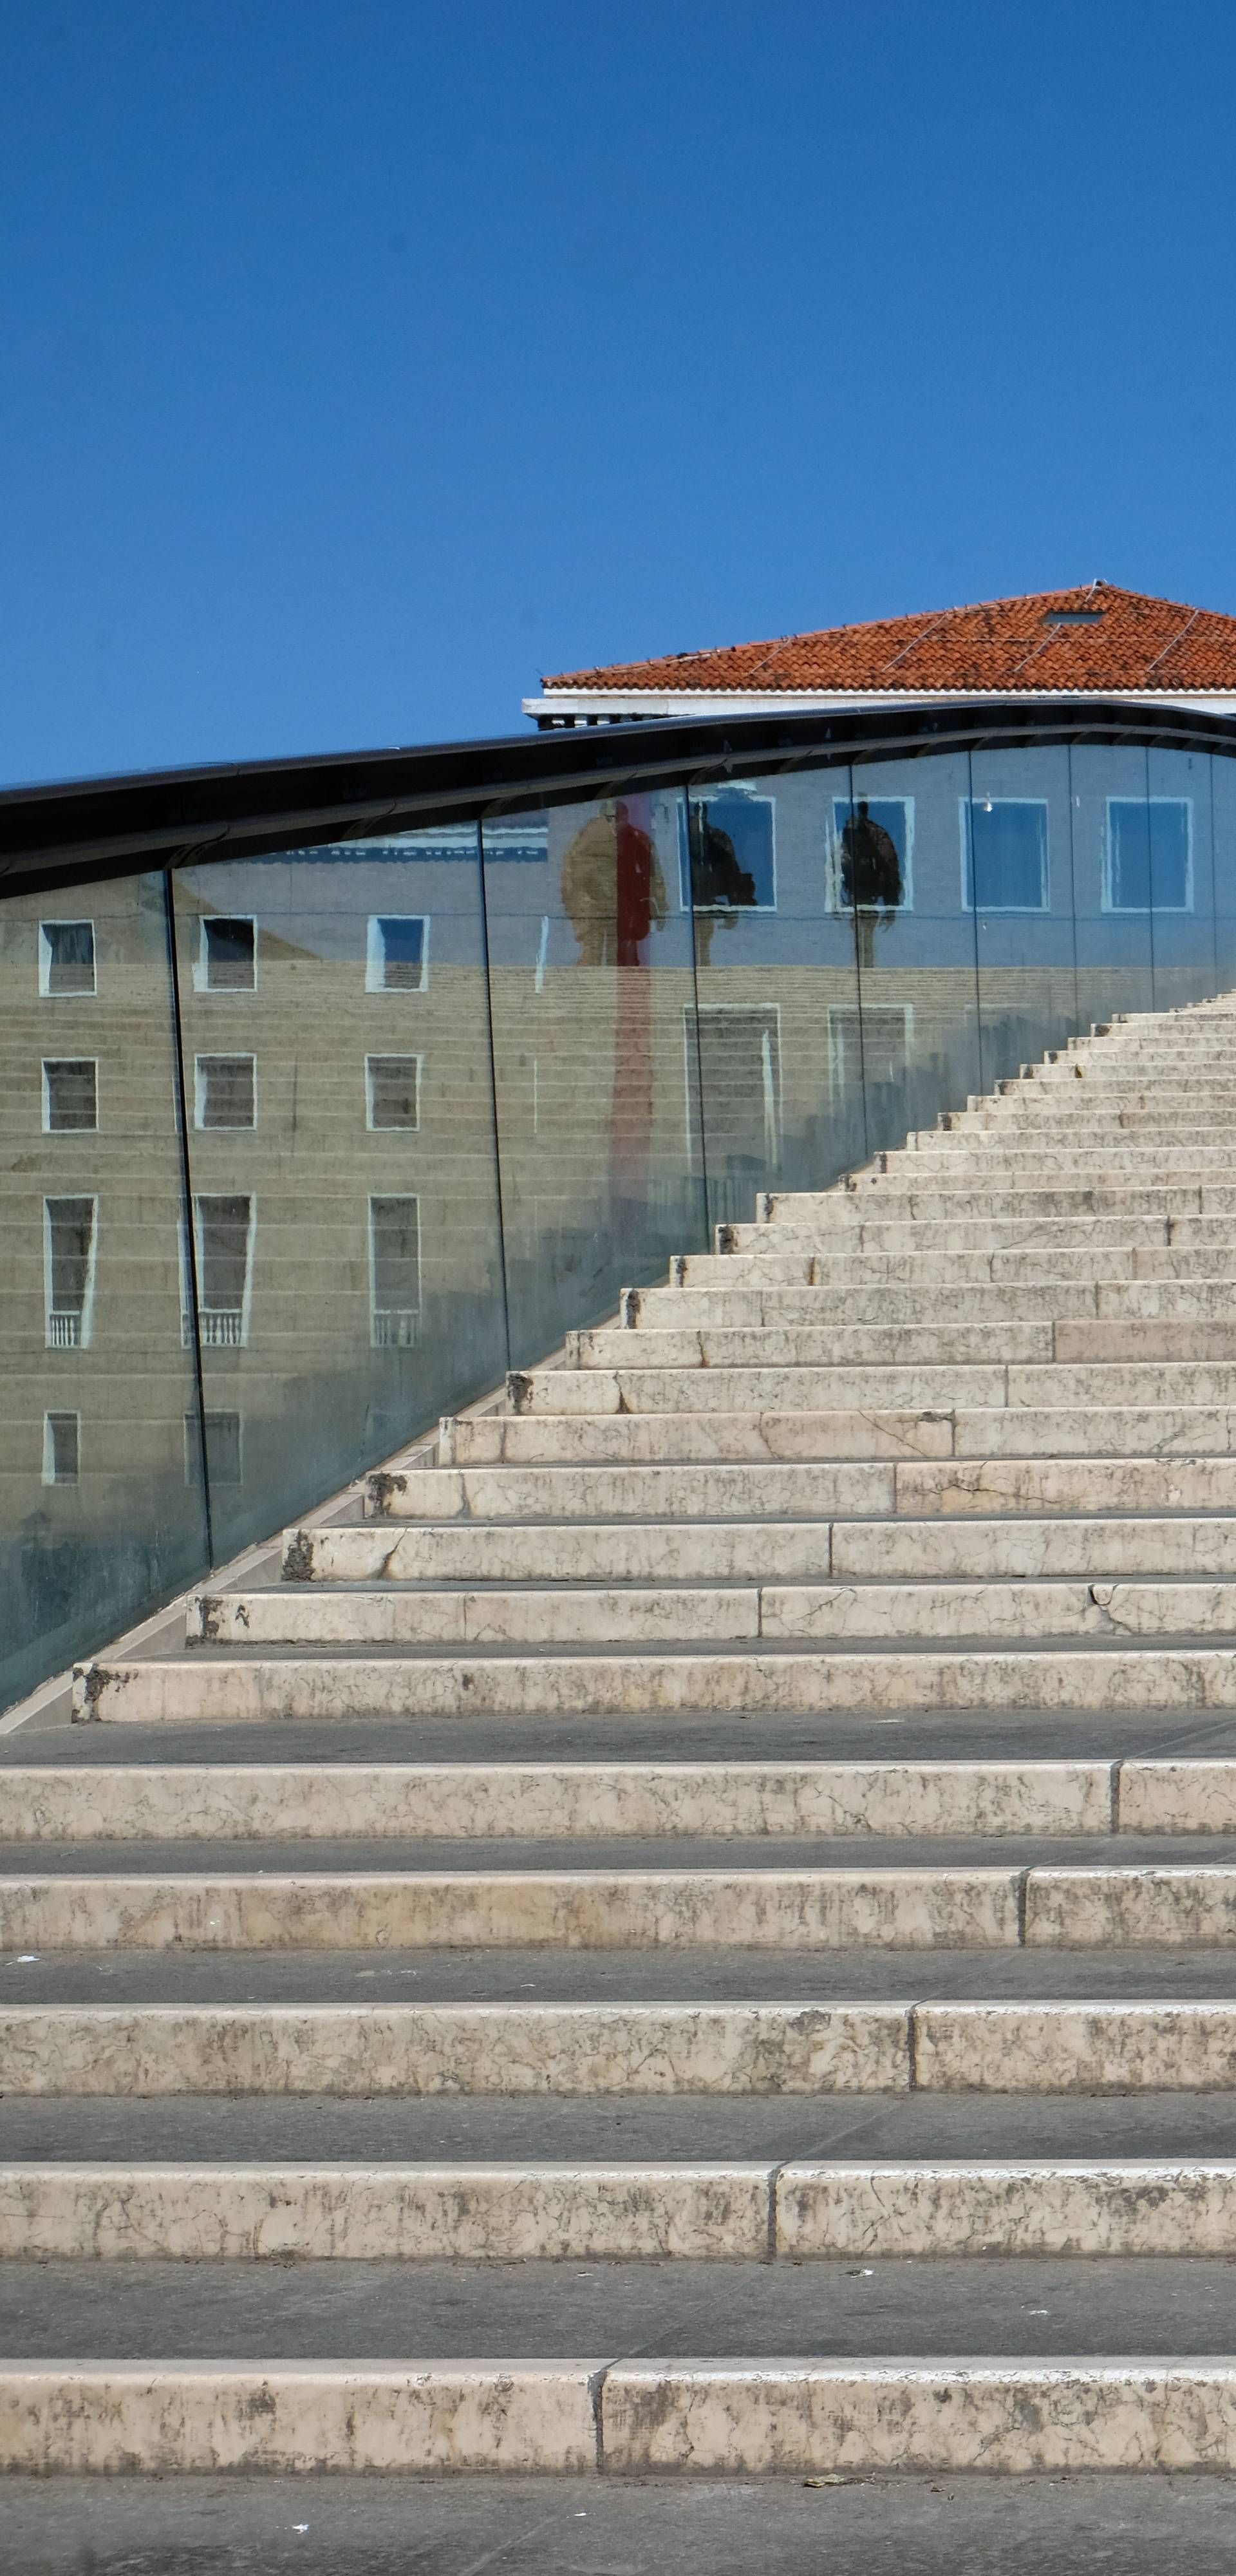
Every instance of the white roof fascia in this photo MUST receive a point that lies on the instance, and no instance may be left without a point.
(614, 704)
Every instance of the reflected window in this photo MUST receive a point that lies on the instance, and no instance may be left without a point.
(1149, 854)
(66, 957)
(731, 854)
(225, 1091)
(70, 1234)
(394, 1271)
(62, 1442)
(393, 1090)
(871, 856)
(738, 1052)
(871, 1046)
(397, 956)
(70, 1093)
(222, 1448)
(223, 1241)
(1004, 853)
(227, 958)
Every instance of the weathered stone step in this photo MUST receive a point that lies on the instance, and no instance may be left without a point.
(769, 1908)
(545, 2212)
(566, 1442)
(978, 1483)
(640, 1492)
(932, 1201)
(804, 2048)
(953, 1230)
(324, 1801)
(787, 1681)
(715, 1385)
(644, 2419)
(927, 1304)
(1026, 1264)
(728, 1550)
(1181, 1905)
(825, 1343)
(924, 1607)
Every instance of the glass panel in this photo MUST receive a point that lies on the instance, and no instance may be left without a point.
(98, 1521)
(593, 999)
(1114, 953)
(903, 860)
(1020, 866)
(1179, 876)
(346, 1247)
(779, 1049)
(1223, 815)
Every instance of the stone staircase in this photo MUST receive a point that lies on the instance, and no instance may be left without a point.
(698, 1933)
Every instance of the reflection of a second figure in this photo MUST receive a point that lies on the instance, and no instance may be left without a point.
(612, 887)
(870, 878)
(719, 886)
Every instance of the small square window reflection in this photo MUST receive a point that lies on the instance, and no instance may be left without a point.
(66, 957)
(225, 1091)
(1149, 854)
(392, 1088)
(223, 1459)
(228, 959)
(62, 1439)
(1005, 854)
(70, 1093)
(397, 958)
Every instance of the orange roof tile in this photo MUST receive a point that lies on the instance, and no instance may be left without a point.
(1122, 640)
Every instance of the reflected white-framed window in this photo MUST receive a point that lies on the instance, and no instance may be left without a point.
(397, 953)
(394, 1271)
(869, 858)
(224, 1231)
(224, 1459)
(734, 833)
(392, 1091)
(736, 1048)
(62, 1448)
(225, 1091)
(1148, 854)
(1004, 854)
(872, 1046)
(70, 1095)
(70, 1246)
(67, 959)
(227, 951)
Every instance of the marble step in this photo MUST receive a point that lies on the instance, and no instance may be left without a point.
(328, 1800)
(973, 1908)
(642, 2420)
(605, 2212)
(714, 1384)
(946, 1486)
(586, 1439)
(934, 1199)
(952, 1230)
(804, 2048)
(578, 1613)
(935, 1268)
(932, 1304)
(826, 1343)
(735, 1551)
(768, 1680)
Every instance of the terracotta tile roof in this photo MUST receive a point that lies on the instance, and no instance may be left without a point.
(1121, 640)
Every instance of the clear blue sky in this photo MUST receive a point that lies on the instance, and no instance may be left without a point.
(365, 358)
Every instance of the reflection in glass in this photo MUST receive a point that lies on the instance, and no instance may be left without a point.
(97, 1521)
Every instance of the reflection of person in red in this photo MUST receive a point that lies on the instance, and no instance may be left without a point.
(613, 891)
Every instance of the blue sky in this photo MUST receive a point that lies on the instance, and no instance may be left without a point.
(363, 361)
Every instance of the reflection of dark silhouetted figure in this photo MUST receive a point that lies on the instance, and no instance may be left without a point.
(719, 887)
(870, 877)
(612, 889)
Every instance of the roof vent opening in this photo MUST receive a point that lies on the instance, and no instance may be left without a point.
(1073, 617)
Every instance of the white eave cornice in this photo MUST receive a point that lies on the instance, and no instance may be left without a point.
(614, 706)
